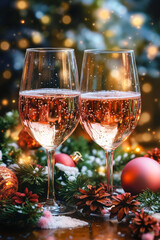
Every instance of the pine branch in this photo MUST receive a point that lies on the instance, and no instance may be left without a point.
(8, 121)
(19, 215)
(32, 177)
(68, 191)
(150, 201)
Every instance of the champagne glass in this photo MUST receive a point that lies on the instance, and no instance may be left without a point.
(110, 100)
(49, 105)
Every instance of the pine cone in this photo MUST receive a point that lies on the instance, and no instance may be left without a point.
(154, 154)
(107, 188)
(21, 198)
(92, 200)
(122, 204)
(144, 223)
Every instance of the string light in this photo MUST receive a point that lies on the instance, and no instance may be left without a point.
(22, 21)
(5, 45)
(66, 19)
(128, 148)
(4, 102)
(138, 150)
(102, 170)
(24, 159)
(13, 101)
(22, 4)
(137, 20)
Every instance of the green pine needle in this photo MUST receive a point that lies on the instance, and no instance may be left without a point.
(20, 216)
(68, 191)
(150, 201)
(32, 177)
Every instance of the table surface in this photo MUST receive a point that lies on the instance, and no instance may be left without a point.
(98, 228)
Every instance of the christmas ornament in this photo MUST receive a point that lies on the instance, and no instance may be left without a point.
(92, 200)
(144, 223)
(154, 154)
(122, 204)
(64, 159)
(8, 183)
(22, 198)
(140, 174)
(25, 141)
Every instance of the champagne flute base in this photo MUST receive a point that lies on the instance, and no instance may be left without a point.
(59, 208)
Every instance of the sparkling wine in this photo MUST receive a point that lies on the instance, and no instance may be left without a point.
(110, 116)
(49, 115)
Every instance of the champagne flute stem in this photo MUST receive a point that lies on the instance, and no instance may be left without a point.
(109, 169)
(51, 191)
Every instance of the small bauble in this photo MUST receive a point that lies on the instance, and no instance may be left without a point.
(8, 183)
(64, 159)
(140, 174)
(25, 141)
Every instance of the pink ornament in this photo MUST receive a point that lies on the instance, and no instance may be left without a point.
(47, 214)
(103, 212)
(43, 222)
(147, 236)
(64, 159)
(140, 174)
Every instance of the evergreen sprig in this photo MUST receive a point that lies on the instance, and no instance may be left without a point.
(150, 201)
(67, 191)
(32, 176)
(8, 121)
(20, 216)
(10, 154)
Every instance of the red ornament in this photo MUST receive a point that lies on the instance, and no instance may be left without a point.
(140, 174)
(8, 183)
(64, 159)
(25, 141)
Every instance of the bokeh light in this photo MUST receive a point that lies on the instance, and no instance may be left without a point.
(68, 42)
(5, 45)
(137, 20)
(37, 37)
(66, 19)
(23, 43)
(22, 4)
(145, 118)
(5, 102)
(146, 87)
(103, 14)
(152, 52)
(7, 74)
(46, 19)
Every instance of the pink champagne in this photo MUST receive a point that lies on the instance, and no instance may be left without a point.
(110, 117)
(49, 115)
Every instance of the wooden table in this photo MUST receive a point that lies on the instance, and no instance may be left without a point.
(98, 228)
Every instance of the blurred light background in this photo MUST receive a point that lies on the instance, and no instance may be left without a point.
(81, 24)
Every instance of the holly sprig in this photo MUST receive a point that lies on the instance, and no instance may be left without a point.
(22, 210)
